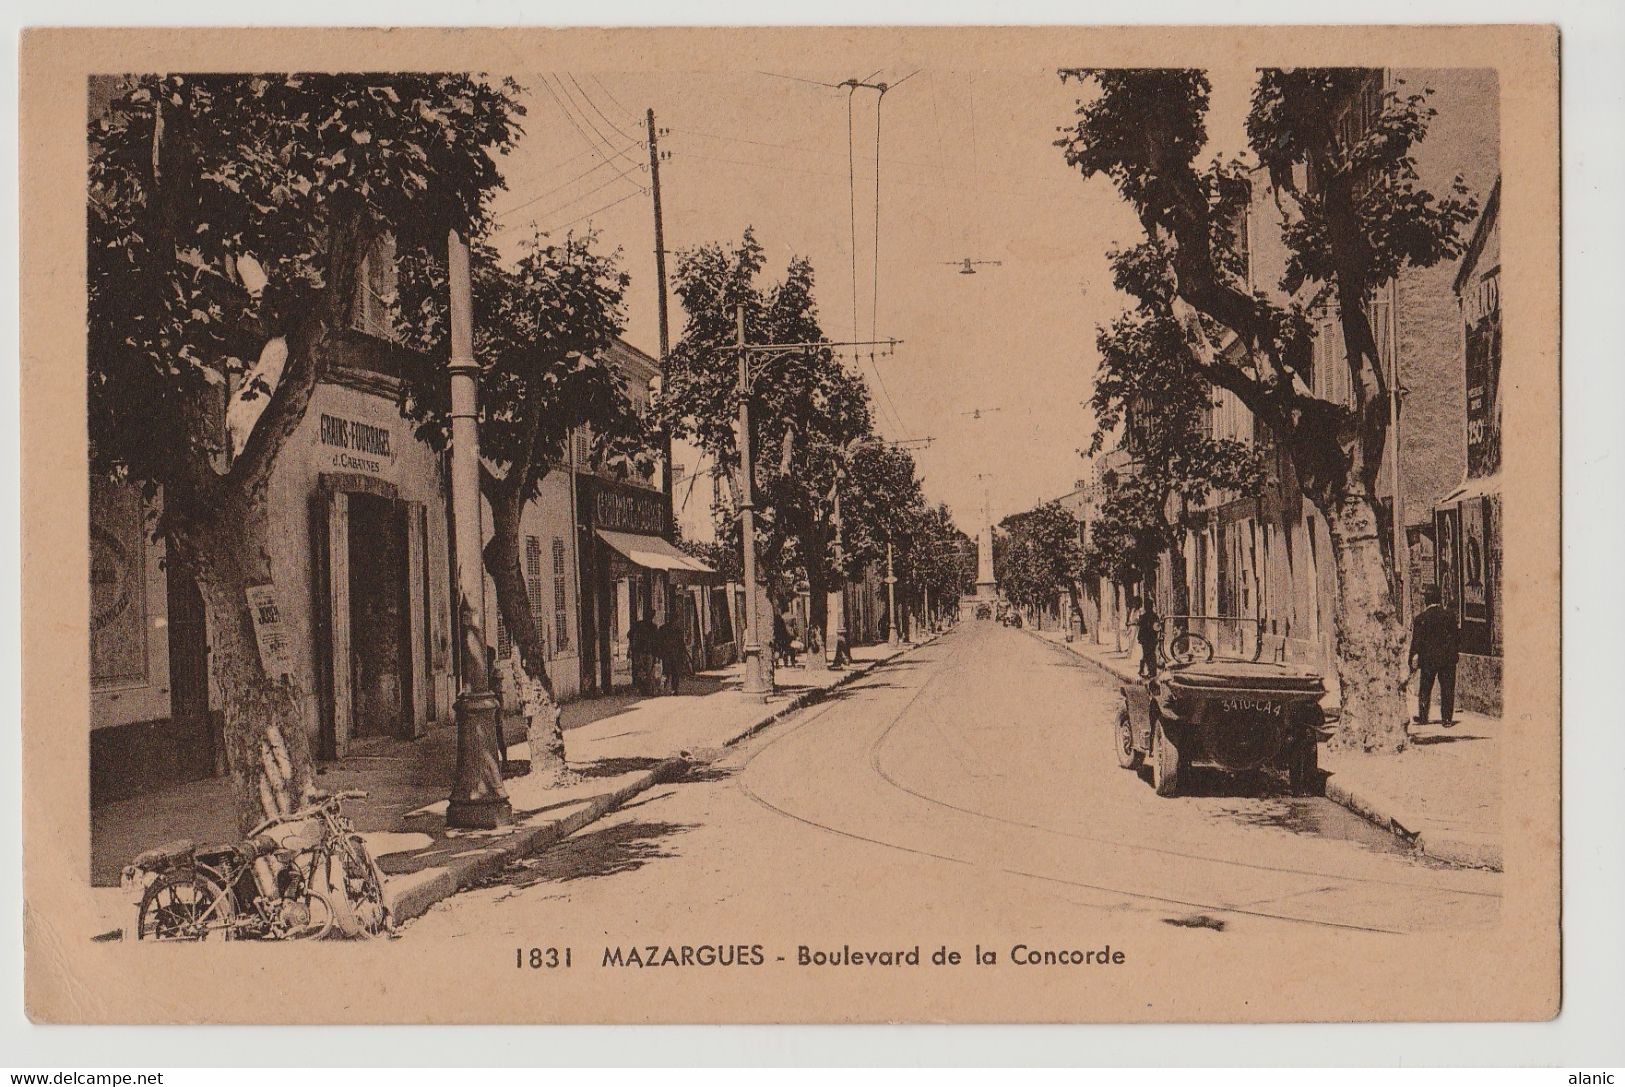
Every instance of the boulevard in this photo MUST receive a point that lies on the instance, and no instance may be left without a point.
(967, 786)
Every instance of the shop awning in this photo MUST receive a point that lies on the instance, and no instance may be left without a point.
(1481, 487)
(652, 552)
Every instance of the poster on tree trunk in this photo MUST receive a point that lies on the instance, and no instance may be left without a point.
(1221, 809)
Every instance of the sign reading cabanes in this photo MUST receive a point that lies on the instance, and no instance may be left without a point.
(357, 446)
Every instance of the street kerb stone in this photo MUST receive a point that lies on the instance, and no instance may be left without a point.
(410, 895)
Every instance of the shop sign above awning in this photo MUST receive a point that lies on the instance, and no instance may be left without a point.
(652, 552)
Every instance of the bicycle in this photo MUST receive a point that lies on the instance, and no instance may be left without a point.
(258, 888)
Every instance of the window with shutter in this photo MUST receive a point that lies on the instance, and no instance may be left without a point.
(533, 582)
(561, 626)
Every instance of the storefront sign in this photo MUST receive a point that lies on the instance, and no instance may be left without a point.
(350, 445)
(628, 510)
(1481, 310)
(270, 632)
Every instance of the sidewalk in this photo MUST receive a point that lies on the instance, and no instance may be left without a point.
(1443, 793)
(620, 744)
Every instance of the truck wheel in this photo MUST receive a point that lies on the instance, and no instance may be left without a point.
(1165, 761)
(1303, 773)
(1127, 757)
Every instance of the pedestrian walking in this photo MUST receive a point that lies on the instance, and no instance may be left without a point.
(673, 653)
(783, 652)
(1147, 627)
(1435, 644)
(641, 646)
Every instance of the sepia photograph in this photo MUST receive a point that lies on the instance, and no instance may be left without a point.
(725, 526)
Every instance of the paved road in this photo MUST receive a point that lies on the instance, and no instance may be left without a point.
(968, 786)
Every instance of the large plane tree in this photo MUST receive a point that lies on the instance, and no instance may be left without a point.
(229, 219)
(1354, 212)
(543, 330)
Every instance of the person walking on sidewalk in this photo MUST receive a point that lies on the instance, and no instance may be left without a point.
(1435, 643)
(1147, 626)
(673, 652)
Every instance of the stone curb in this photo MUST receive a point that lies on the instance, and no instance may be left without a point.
(1440, 843)
(412, 901)
(415, 900)
(819, 694)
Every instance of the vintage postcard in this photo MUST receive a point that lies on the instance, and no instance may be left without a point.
(966, 525)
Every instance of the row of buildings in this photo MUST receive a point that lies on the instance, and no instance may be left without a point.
(1264, 564)
(364, 572)
(363, 575)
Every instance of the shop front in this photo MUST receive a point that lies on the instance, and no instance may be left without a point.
(629, 570)
(1467, 522)
(361, 570)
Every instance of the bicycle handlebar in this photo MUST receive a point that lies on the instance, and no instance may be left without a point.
(319, 801)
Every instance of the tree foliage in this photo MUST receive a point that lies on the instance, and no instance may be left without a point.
(543, 331)
(1365, 215)
(807, 411)
(230, 210)
(230, 220)
(1040, 556)
(1337, 151)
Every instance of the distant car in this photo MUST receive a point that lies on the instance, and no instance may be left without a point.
(1228, 712)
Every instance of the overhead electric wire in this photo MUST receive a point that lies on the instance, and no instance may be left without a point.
(616, 101)
(852, 204)
(569, 115)
(585, 97)
(619, 152)
(799, 79)
(852, 208)
(599, 165)
(594, 211)
(556, 208)
(937, 170)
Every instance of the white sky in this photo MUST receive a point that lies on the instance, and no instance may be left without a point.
(968, 170)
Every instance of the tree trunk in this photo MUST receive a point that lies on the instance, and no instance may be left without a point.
(267, 744)
(543, 718)
(1179, 587)
(1369, 638)
(817, 620)
(1077, 601)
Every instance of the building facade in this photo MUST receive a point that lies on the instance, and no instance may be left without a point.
(1255, 566)
(363, 571)
(1467, 519)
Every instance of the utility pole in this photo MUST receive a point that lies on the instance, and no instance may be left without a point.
(758, 677)
(835, 607)
(891, 597)
(835, 600)
(665, 321)
(478, 800)
(758, 670)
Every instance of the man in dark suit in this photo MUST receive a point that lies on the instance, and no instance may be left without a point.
(1435, 643)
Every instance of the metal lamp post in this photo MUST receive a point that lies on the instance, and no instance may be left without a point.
(478, 800)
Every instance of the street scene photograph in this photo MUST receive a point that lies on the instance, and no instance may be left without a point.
(702, 542)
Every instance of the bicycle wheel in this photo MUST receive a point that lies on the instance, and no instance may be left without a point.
(363, 884)
(184, 906)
